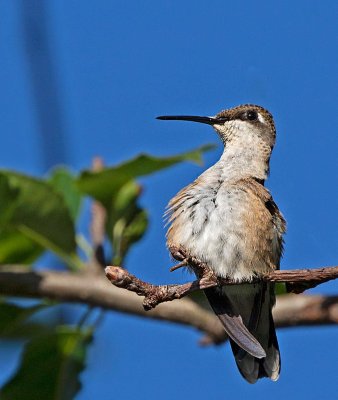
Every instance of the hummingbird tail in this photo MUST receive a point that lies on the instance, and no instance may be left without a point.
(246, 314)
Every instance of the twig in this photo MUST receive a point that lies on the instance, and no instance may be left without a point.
(154, 294)
(179, 265)
(296, 281)
(97, 226)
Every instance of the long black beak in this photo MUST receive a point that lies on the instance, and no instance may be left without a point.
(194, 118)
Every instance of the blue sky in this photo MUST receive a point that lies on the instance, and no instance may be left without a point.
(108, 68)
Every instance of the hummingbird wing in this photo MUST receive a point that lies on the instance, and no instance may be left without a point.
(233, 322)
(251, 304)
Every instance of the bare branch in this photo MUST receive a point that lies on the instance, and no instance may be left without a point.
(296, 282)
(95, 290)
(291, 310)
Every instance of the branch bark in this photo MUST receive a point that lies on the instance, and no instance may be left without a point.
(291, 310)
(297, 281)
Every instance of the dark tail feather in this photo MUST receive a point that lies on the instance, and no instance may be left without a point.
(233, 323)
(245, 312)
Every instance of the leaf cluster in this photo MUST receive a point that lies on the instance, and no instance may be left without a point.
(41, 215)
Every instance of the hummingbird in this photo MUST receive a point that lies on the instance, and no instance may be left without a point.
(228, 220)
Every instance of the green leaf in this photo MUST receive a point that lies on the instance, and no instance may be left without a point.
(124, 203)
(134, 230)
(50, 367)
(16, 248)
(127, 221)
(41, 215)
(64, 182)
(13, 316)
(126, 233)
(8, 197)
(125, 197)
(103, 185)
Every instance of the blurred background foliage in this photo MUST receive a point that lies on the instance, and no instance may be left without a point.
(40, 215)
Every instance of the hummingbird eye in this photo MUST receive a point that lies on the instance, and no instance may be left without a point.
(252, 115)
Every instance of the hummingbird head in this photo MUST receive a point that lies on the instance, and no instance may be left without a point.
(244, 124)
(248, 134)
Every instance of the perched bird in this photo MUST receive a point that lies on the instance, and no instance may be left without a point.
(227, 219)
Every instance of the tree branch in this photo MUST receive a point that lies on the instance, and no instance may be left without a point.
(297, 281)
(97, 291)
(291, 310)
